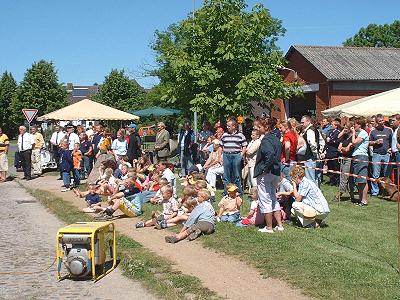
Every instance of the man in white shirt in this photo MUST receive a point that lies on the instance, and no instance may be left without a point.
(55, 141)
(72, 137)
(167, 174)
(25, 146)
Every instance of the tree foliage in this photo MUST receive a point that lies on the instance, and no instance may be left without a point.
(8, 95)
(221, 60)
(387, 35)
(120, 92)
(39, 89)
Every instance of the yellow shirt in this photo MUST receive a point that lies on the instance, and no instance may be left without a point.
(38, 139)
(4, 142)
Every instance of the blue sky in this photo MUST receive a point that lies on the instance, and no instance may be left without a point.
(86, 39)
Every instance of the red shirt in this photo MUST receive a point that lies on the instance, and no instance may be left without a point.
(292, 138)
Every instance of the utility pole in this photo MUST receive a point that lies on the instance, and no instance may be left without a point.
(195, 113)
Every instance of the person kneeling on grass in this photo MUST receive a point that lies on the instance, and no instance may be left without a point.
(170, 210)
(229, 206)
(124, 201)
(201, 221)
(310, 207)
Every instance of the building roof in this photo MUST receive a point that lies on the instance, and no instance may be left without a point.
(352, 63)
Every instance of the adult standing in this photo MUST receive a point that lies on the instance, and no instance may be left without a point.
(87, 154)
(119, 146)
(134, 144)
(71, 137)
(289, 147)
(185, 148)
(25, 146)
(96, 137)
(332, 152)
(267, 172)
(380, 139)
(251, 154)
(234, 146)
(55, 141)
(326, 126)
(360, 141)
(4, 144)
(395, 140)
(161, 147)
(345, 149)
(311, 153)
(36, 156)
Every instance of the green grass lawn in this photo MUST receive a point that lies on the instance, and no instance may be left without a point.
(353, 257)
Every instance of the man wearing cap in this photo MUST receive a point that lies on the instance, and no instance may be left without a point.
(72, 137)
(4, 144)
(161, 146)
(134, 143)
(25, 145)
(234, 146)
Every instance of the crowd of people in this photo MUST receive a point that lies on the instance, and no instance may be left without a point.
(280, 164)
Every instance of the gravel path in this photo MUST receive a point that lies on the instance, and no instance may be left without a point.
(27, 244)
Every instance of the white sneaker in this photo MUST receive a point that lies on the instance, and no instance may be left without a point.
(218, 219)
(65, 190)
(277, 228)
(265, 230)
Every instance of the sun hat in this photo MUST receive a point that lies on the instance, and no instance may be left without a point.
(309, 212)
(232, 188)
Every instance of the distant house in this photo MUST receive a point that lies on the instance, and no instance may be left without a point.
(77, 93)
(331, 76)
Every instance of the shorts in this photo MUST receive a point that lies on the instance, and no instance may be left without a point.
(130, 208)
(3, 162)
(204, 226)
(360, 168)
(267, 184)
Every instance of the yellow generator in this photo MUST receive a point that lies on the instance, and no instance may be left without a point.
(81, 248)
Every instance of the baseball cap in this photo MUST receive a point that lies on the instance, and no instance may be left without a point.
(132, 125)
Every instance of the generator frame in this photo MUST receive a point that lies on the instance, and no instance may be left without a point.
(91, 229)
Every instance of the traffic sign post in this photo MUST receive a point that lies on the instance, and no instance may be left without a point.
(29, 114)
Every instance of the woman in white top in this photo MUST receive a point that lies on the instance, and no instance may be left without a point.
(213, 165)
(251, 154)
(119, 146)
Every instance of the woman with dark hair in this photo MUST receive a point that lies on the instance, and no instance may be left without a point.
(360, 141)
(267, 172)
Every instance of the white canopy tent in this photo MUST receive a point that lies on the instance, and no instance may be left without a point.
(386, 103)
(90, 111)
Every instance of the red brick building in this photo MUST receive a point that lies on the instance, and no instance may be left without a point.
(331, 76)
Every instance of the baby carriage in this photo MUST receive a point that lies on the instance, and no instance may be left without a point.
(47, 159)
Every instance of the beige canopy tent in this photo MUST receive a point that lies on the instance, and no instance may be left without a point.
(88, 110)
(386, 103)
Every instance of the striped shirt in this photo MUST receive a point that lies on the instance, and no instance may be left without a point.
(233, 142)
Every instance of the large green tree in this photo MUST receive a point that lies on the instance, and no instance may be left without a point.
(121, 92)
(39, 89)
(222, 59)
(8, 94)
(386, 35)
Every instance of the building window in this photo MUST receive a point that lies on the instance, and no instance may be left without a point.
(80, 92)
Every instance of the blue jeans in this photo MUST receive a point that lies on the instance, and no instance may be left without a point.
(231, 218)
(186, 163)
(376, 170)
(87, 165)
(397, 156)
(232, 170)
(66, 178)
(77, 176)
(311, 173)
(285, 169)
(145, 196)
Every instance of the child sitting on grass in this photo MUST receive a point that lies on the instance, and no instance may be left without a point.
(229, 206)
(189, 193)
(201, 221)
(254, 217)
(124, 201)
(285, 198)
(170, 210)
(92, 197)
(310, 207)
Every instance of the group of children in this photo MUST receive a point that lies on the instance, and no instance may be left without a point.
(127, 190)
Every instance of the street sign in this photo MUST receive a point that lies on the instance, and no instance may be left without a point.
(29, 114)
